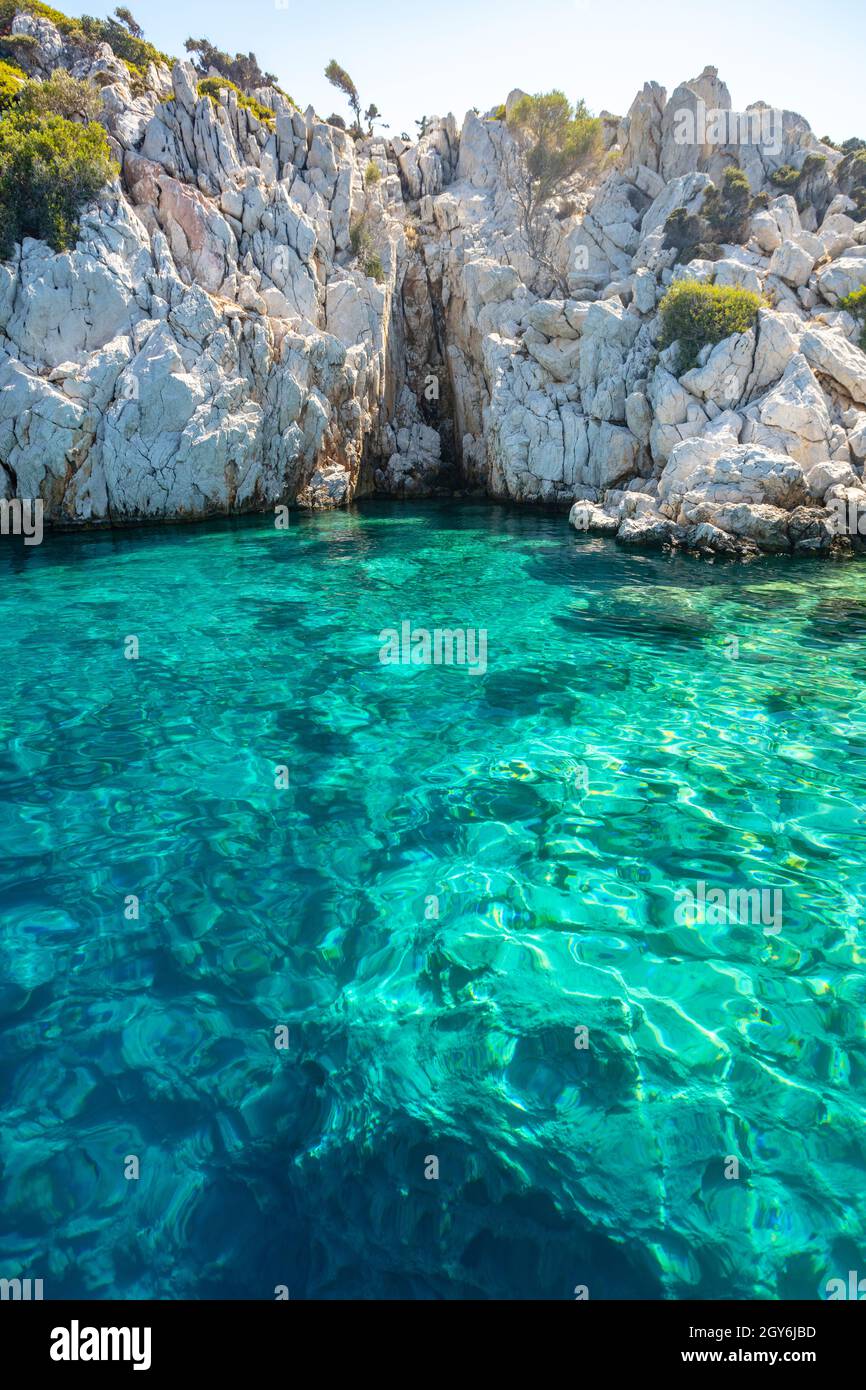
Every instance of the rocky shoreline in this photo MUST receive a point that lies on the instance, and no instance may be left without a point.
(216, 343)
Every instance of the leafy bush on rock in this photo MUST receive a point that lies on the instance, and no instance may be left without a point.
(61, 95)
(808, 184)
(785, 177)
(18, 48)
(49, 168)
(696, 315)
(727, 209)
(851, 177)
(855, 303)
(12, 80)
(361, 242)
(723, 218)
(210, 87)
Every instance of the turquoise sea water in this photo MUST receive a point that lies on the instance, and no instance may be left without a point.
(549, 808)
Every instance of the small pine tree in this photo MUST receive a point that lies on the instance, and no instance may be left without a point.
(127, 19)
(554, 143)
(339, 78)
(242, 69)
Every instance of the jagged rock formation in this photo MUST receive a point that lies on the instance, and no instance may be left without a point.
(211, 344)
(214, 342)
(561, 399)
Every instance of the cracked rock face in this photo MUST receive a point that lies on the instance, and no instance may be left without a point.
(247, 320)
(212, 344)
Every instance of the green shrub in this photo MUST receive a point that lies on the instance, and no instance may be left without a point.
(86, 32)
(136, 82)
(49, 168)
(122, 43)
(17, 48)
(813, 164)
(683, 232)
(499, 112)
(723, 218)
(243, 68)
(809, 184)
(696, 315)
(851, 177)
(726, 209)
(9, 9)
(210, 87)
(362, 246)
(61, 95)
(12, 80)
(555, 142)
(855, 303)
(372, 266)
(359, 236)
(372, 174)
(785, 177)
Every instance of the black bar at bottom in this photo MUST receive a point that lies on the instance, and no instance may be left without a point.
(162, 1340)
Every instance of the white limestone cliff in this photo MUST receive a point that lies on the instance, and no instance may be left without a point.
(213, 343)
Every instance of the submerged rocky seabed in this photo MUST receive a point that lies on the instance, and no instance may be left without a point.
(618, 746)
(214, 345)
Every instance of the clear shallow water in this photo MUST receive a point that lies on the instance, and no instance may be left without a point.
(413, 1036)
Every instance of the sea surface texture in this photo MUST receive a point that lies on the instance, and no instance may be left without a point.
(452, 895)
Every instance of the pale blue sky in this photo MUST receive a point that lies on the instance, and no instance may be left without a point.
(413, 58)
